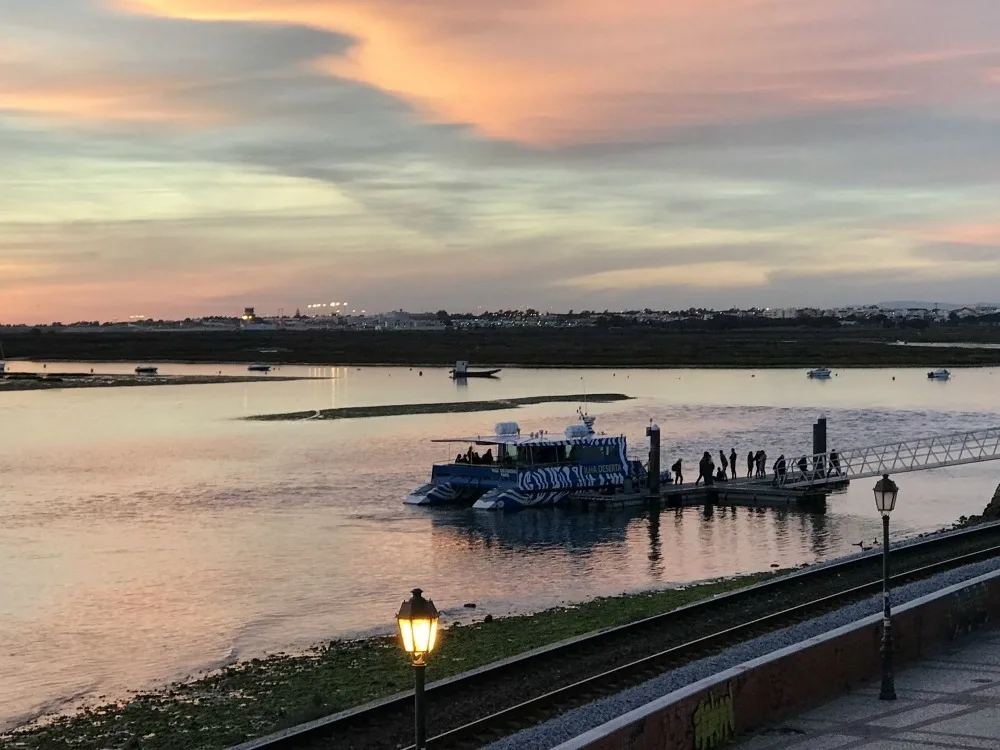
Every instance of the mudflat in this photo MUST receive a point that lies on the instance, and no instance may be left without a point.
(447, 407)
(32, 382)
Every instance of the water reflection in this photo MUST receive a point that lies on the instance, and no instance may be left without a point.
(655, 554)
(551, 528)
(696, 531)
(205, 535)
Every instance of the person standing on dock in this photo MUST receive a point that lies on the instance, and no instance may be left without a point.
(732, 461)
(724, 464)
(706, 470)
(751, 460)
(835, 463)
(677, 469)
(779, 471)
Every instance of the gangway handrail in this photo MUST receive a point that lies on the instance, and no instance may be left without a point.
(939, 451)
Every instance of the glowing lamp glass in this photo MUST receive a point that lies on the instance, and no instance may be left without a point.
(885, 495)
(418, 625)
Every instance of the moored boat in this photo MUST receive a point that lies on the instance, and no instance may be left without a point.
(462, 371)
(529, 470)
(146, 370)
(259, 368)
(940, 374)
(821, 373)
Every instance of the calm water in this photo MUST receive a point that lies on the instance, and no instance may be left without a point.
(146, 534)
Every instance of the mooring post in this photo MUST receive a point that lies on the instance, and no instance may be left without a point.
(819, 436)
(819, 447)
(653, 433)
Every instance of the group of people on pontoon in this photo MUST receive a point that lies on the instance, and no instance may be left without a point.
(472, 456)
(756, 467)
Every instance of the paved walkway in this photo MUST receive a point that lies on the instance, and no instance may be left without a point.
(949, 702)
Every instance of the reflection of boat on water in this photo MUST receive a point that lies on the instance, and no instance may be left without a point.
(557, 528)
(531, 470)
(820, 373)
(941, 374)
(146, 370)
(259, 368)
(462, 371)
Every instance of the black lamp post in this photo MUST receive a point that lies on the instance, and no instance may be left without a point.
(885, 500)
(418, 624)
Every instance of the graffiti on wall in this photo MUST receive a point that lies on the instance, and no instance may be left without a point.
(714, 721)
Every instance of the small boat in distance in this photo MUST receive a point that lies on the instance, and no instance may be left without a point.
(462, 371)
(259, 368)
(941, 374)
(146, 370)
(822, 373)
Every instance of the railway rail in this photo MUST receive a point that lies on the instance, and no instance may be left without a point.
(473, 709)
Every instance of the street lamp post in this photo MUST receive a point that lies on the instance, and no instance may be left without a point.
(885, 500)
(418, 624)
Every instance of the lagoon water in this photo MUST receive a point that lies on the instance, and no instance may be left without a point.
(147, 533)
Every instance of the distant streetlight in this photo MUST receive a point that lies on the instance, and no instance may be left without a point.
(418, 624)
(885, 500)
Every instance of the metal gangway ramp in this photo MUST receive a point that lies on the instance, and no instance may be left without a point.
(918, 454)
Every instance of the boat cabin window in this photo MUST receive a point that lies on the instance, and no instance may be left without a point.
(593, 454)
(546, 455)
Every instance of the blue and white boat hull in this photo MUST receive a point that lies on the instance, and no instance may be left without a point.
(514, 499)
(437, 494)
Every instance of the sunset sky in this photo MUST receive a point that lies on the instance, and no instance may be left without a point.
(189, 157)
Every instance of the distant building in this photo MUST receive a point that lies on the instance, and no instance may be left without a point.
(249, 315)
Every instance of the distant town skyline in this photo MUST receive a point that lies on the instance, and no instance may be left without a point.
(251, 315)
(190, 157)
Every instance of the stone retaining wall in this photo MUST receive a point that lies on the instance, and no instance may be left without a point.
(711, 712)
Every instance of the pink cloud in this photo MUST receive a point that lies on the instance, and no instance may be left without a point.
(559, 70)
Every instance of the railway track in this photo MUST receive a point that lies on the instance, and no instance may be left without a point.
(471, 710)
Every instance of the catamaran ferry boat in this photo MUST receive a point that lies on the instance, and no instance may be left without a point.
(519, 470)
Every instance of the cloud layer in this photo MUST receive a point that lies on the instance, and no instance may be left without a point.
(178, 157)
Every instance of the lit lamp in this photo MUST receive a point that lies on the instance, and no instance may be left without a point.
(418, 625)
(885, 500)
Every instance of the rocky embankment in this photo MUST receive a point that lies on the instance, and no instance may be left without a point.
(990, 513)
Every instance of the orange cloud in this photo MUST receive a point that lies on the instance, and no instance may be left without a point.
(567, 70)
(106, 104)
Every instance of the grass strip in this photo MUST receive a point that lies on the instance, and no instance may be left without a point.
(255, 697)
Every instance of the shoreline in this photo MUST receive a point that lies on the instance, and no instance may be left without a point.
(604, 347)
(447, 407)
(19, 382)
(501, 365)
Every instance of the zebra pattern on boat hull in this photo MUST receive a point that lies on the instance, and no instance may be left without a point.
(442, 494)
(514, 499)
